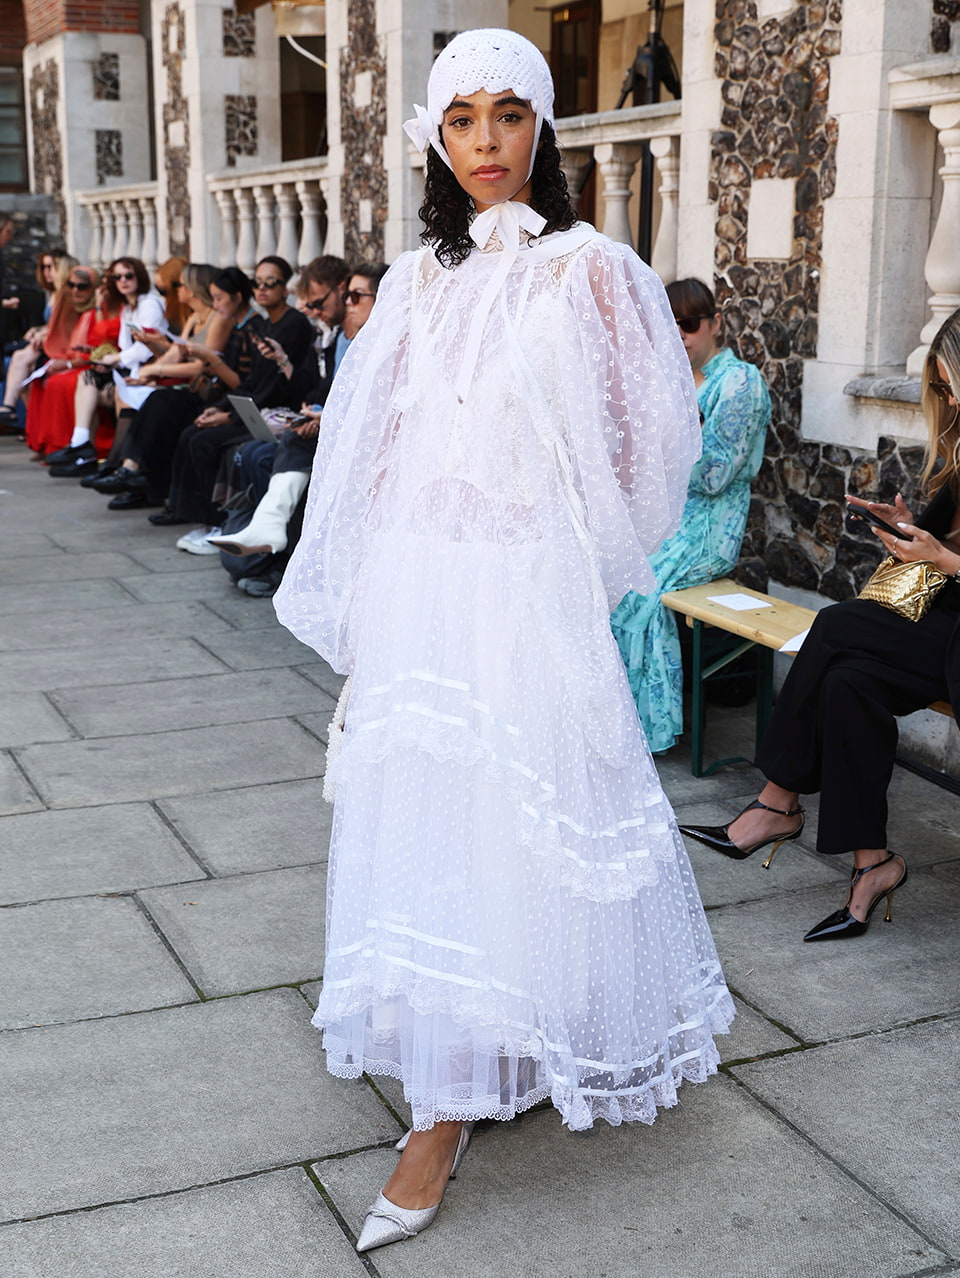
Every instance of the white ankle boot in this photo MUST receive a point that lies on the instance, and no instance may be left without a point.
(267, 530)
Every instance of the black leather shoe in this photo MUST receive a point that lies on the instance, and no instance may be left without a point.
(76, 468)
(88, 481)
(716, 837)
(841, 922)
(121, 481)
(64, 455)
(166, 518)
(131, 501)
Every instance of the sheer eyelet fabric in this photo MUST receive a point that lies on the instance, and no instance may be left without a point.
(511, 914)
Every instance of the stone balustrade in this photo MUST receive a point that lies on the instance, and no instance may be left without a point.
(933, 86)
(121, 221)
(615, 140)
(278, 210)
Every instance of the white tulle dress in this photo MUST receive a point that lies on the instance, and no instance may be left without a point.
(511, 914)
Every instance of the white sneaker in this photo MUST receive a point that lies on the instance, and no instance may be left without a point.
(196, 543)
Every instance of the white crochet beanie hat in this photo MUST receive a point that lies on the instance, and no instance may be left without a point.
(492, 59)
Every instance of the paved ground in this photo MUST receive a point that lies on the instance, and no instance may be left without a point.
(164, 1108)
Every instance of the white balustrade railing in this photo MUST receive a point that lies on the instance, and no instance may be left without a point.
(121, 221)
(933, 86)
(280, 210)
(614, 140)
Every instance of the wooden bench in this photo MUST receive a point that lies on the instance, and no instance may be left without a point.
(767, 628)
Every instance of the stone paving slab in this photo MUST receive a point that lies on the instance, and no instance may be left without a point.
(60, 566)
(247, 932)
(160, 554)
(751, 1035)
(16, 792)
(910, 967)
(104, 1111)
(883, 1106)
(325, 678)
(203, 701)
(263, 827)
(84, 850)
(66, 956)
(167, 587)
(717, 1186)
(243, 611)
(86, 667)
(271, 1226)
(317, 724)
(28, 717)
(723, 881)
(120, 769)
(145, 622)
(259, 649)
(51, 596)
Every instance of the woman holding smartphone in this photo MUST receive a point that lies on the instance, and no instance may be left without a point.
(511, 915)
(834, 726)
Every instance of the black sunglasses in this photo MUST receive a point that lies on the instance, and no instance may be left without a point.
(319, 303)
(121, 275)
(943, 389)
(268, 283)
(354, 296)
(79, 284)
(691, 323)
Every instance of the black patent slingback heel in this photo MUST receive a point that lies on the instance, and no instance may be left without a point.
(717, 838)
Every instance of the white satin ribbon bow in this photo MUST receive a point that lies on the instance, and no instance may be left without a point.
(506, 219)
(421, 130)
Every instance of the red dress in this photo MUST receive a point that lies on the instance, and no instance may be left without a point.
(50, 403)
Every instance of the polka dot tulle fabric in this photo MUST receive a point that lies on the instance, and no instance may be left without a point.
(511, 912)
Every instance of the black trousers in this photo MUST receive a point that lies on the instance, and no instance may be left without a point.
(155, 431)
(196, 464)
(834, 727)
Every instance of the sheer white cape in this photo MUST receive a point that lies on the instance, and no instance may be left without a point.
(511, 913)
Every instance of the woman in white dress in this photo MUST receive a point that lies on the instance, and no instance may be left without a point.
(511, 915)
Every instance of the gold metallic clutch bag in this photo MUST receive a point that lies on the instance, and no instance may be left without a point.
(908, 589)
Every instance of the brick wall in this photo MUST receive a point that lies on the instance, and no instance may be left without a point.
(13, 32)
(46, 18)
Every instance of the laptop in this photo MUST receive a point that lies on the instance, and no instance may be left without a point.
(251, 416)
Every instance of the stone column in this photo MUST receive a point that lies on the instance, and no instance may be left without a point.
(617, 161)
(217, 90)
(942, 267)
(666, 153)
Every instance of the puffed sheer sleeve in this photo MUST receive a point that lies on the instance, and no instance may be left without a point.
(734, 431)
(631, 410)
(358, 429)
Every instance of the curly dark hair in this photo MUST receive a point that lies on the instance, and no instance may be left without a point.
(447, 209)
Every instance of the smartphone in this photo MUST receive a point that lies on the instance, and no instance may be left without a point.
(857, 512)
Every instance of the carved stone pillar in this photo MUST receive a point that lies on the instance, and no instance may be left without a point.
(311, 233)
(288, 239)
(148, 214)
(575, 163)
(131, 210)
(666, 153)
(109, 239)
(94, 253)
(942, 268)
(266, 215)
(617, 162)
(121, 232)
(247, 235)
(228, 226)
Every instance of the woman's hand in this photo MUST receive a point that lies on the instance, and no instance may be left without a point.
(211, 417)
(197, 350)
(271, 349)
(923, 547)
(155, 341)
(58, 365)
(898, 513)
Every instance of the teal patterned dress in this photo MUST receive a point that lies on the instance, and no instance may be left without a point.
(736, 410)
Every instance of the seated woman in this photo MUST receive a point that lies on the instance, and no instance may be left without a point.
(834, 726)
(89, 311)
(173, 405)
(270, 384)
(293, 460)
(168, 280)
(141, 310)
(735, 412)
(53, 267)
